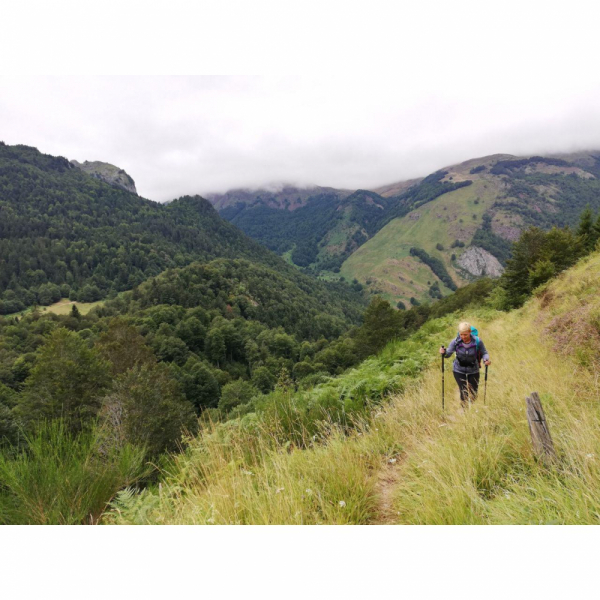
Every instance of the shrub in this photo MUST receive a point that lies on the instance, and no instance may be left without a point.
(65, 478)
(236, 393)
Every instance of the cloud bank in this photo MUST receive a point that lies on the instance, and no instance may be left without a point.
(457, 91)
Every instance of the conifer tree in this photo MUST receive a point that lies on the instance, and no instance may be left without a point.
(381, 324)
(585, 231)
(596, 230)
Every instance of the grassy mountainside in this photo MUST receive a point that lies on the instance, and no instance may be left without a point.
(407, 461)
(508, 194)
(384, 263)
(465, 216)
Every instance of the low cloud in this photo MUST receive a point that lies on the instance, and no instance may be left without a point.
(197, 135)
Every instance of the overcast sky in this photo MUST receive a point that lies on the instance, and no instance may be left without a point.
(410, 96)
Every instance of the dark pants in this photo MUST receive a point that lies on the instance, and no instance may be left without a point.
(467, 384)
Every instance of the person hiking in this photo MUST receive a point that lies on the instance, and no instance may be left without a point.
(470, 350)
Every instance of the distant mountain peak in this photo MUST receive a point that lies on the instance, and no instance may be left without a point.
(274, 195)
(108, 173)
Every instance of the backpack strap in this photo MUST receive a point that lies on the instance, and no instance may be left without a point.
(477, 350)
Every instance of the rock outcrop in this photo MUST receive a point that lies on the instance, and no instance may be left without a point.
(479, 262)
(108, 173)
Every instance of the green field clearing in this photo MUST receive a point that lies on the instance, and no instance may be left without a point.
(63, 307)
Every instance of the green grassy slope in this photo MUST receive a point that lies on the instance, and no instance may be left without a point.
(64, 307)
(511, 193)
(409, 462)
(385, 260)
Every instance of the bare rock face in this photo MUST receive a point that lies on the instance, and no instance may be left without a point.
(479, 262)
(108, 173)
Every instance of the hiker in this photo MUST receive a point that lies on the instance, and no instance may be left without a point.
(470, 350)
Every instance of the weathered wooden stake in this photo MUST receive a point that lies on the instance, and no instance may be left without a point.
(538, 427)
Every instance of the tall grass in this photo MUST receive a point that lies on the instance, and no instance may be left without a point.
(309, 457)
(478, 467)
(473, 466)
(64, 479)
(242, 478)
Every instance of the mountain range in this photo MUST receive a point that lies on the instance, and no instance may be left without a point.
(416, 240)
(278, 361)
(67, 233)
(82, 226)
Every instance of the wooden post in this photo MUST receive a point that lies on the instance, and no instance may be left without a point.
(538, 427)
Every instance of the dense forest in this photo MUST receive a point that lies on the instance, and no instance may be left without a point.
(305, 230)
(63, 233)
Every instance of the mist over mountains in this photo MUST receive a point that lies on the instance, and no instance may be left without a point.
(462, 219)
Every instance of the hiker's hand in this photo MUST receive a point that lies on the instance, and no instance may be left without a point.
(487, 363)
(442, 350)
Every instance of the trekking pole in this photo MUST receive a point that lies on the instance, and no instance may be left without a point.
(443, 355)
(485, 384)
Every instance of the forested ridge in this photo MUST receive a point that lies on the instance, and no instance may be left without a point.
(220, 320)
(64, 233)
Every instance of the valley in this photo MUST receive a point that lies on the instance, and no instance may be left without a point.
(367, 235)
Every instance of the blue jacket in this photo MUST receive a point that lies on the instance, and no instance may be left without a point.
(466, 353)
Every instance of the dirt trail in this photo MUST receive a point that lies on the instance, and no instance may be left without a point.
(388, 477)
(434, 427)
(390, 473)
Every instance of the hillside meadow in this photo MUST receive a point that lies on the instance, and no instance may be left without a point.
(404, 460)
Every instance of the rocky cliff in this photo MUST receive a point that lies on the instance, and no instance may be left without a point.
(108, 173)
(479, 262)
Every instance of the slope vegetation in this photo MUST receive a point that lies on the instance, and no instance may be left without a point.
(384, 263)
(470, 229)
(328, 227)
(407, 461)
(64, 232)
(465, 216)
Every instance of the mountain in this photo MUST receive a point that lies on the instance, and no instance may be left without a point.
(468, 231)
(108, 173)
(286, 197)
(66, 233)
(328, 228)
(414, 241)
